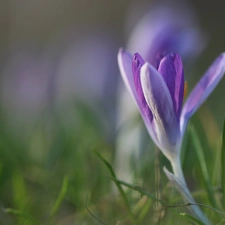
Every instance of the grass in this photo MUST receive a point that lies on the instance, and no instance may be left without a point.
(51, 175)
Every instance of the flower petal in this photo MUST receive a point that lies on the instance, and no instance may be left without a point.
(137, 63)
(160, 103)
(203, 89)
(125, 66)
(171, 69)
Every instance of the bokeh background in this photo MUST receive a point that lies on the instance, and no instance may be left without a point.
(59, 82)
(52, 34)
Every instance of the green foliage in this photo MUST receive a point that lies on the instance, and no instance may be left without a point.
(24, 216)
(50, 175)
(203, 166)
(60, 197)
(121, 191)
(223, 164)
(196, 221)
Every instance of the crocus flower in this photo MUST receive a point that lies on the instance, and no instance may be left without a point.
(161, 29)
(159, 92)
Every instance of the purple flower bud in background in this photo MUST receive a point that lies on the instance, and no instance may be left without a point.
(24, 88)
(165, 28)
(88, 74)
(73, 71)
(85, 70)
(159, 95)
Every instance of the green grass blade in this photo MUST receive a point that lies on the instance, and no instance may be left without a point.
(193, 219)
(95, 217)
(211, 208)
(121, 191)
(203, 167)
(139, 189)
(19, 190)
(61, 195)
(223, 163)
(144, 211)
(22, 215)
(115, 180)
(143, 192)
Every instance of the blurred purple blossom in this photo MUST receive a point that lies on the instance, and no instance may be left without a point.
(85, 70)
(167, 27)
(73, 70)
(24, 86)
(87, 73)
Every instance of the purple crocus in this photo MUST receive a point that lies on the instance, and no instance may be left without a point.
(159, 92)
(153, 32)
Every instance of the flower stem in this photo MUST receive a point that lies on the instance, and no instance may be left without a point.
(182, 187)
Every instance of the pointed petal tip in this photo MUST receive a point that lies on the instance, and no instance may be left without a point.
(123, 56)
(125, 66)
(137, 56)
(217, 69)
(222, 57)
(171, 55)
(220, 61)
(203, 89)
(223, 54)
(121, 50)
(145, 71)
(145, 68)
(120, 54)
(172, 58)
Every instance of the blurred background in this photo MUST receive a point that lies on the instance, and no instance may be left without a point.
(59, 100)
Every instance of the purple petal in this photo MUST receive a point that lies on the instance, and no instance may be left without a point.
(137, 63)
(203, 89)
(171, 69)
(159, 101)
(125, 66)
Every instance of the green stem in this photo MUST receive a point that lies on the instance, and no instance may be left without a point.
(182, 187)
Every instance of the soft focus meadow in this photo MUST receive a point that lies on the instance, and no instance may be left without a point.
(73, 146)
